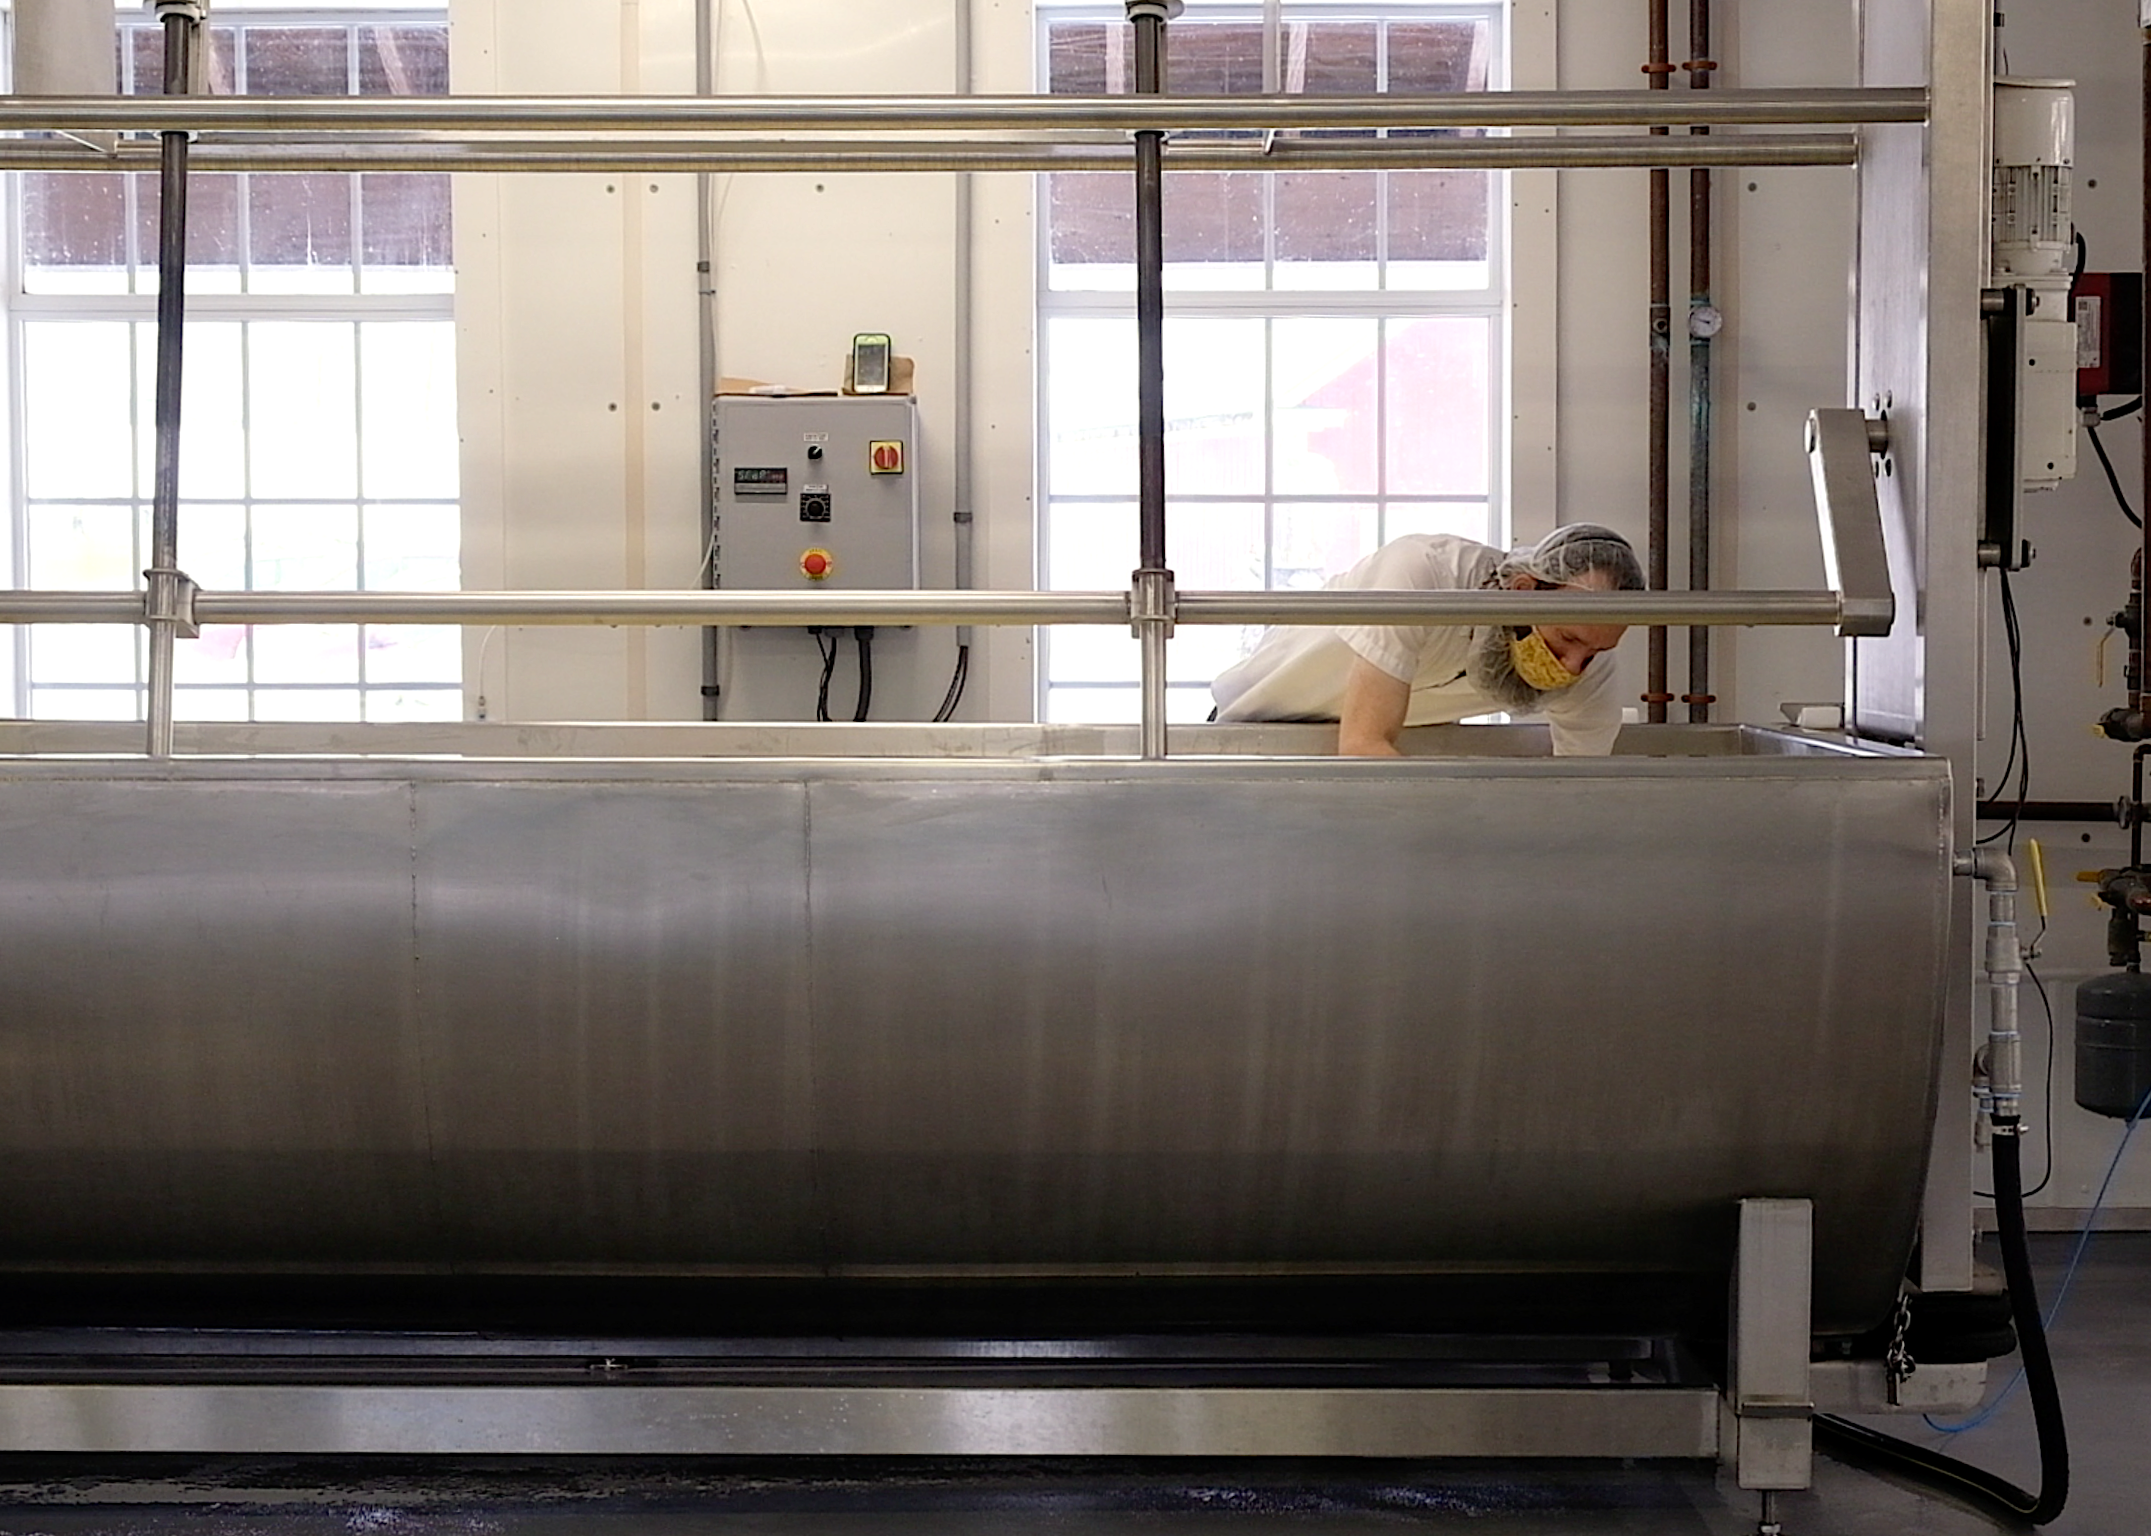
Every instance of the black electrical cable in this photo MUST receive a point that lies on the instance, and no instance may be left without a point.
(2121, 497)
(2046, 1176)
(2091, 429)
(2019, 760)
(957, 679)
(826, 643)
(1976, 1485)
(864, 635)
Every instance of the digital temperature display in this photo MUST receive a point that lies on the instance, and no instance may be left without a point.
(748, 480)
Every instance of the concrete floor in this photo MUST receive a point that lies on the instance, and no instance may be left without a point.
(2102, 1346)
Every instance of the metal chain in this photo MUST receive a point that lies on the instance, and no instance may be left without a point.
(1897, 1361)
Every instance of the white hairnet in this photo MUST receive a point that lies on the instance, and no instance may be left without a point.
(1574, 550)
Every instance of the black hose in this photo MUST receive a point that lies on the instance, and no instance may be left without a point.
(1983, 1489)
(2121, 497)
(864, 634)
(957, 679)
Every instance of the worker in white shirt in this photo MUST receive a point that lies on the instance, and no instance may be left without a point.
(1374, 680)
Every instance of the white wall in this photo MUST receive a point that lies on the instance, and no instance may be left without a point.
(579, 364)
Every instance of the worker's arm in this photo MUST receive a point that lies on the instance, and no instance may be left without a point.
(1373, 712)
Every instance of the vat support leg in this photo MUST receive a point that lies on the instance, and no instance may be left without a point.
(1764, 1415)
(1768, 1526)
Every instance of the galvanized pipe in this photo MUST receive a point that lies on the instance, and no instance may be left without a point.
(182, 30)
(692, 607)
(1587, 152)
(896, 114)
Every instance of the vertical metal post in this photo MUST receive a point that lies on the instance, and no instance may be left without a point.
(961, 512)
(166, 600)
(1151, 608)
(1659, 71)
(706, 314)
(1703, 324)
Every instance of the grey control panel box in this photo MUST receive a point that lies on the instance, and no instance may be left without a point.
(816, 493)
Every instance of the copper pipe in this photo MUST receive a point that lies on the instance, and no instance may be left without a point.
(2140, 685)
(1701, 328)
(1659, 71)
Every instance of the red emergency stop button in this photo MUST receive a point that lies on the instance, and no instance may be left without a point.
(816, 564)
(885, 458)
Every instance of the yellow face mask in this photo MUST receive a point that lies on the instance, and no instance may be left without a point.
(1537, 665)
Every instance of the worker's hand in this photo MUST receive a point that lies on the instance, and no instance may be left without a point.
(1374, 707)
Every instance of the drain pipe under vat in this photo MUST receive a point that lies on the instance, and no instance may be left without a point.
(2003, 1104)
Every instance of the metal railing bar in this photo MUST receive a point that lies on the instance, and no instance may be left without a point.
(790, 609)
(888, 114)
(1578, 153)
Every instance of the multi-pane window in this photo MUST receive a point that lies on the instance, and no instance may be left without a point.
(1333, 339)
(319, 446)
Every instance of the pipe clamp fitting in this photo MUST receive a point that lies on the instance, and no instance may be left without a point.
(169, 599)
(1152, 600)
(1158, 10)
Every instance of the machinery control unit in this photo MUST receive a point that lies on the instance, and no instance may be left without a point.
(815, 492)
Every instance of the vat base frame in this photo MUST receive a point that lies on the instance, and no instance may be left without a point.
(1758, 1424)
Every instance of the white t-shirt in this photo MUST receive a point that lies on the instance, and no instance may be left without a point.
(1299, 672)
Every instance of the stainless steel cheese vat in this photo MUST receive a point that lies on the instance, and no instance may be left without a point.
(808, 1017)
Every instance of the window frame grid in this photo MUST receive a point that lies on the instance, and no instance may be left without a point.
(1269, 14)
(137, 307)
(137, 504)
(239, 24)
(1270, 304)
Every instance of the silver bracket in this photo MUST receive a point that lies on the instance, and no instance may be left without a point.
(170, 600)
(196, 11)
(1152, 599)
(1163, 10)
(1855, 563)
(1765, 1430)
